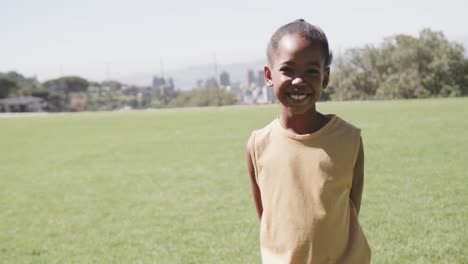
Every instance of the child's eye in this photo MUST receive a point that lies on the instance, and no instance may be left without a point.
(312, 71)
(286, 70)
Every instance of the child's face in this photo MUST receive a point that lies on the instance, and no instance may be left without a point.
(297, 73)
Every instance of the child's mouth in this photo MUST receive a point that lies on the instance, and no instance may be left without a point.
(297, 97)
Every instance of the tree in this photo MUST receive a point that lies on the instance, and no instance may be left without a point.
(402, 67)
(67, 85)
(6, 87)
(21, 81)
(206, 96)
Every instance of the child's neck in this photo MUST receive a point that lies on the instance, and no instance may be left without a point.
(306, 123)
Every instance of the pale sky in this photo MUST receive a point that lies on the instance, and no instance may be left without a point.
(93, 38)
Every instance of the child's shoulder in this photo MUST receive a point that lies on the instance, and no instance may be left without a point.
(266, 129)
(347, 125)
(262, 133)
(344, 130)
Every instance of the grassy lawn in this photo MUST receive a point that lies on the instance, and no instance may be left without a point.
(172, 187)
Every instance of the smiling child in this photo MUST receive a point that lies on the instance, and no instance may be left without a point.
(306, 168)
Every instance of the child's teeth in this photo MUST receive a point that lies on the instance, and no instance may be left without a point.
(298, 97)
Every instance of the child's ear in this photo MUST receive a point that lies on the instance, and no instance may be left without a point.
(326, 77)
(267, 75)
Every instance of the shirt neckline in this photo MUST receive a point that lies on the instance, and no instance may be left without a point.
(333, 119)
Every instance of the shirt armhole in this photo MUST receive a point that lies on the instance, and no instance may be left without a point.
(357, 144)
(253, 157)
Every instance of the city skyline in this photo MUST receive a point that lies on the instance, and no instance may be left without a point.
(111, 40)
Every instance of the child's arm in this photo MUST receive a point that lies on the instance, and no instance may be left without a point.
(253, 183)
(358, 179)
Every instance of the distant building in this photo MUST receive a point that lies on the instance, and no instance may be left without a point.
(254, 90)
(163, 89)
(78, 101)
(224, 79)
(158, 82)
(22, 104)
(270, 94)
(249, 78)
(260, 80)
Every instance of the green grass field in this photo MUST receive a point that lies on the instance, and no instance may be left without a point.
(172, 187)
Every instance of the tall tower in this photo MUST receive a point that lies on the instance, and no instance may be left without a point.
(250, 77)
(260, 80)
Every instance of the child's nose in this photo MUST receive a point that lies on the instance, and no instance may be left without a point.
(297, 81)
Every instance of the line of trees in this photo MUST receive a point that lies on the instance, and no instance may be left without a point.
(401, 67)
(73, 93)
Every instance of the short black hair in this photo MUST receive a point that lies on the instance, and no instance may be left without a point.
(304, 29)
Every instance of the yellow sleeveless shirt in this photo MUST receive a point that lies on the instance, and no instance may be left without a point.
(305, 182)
